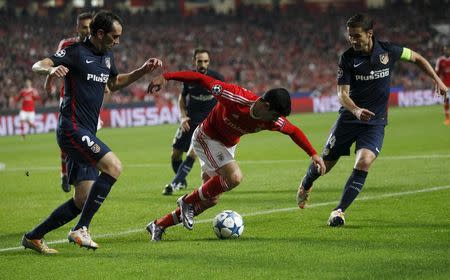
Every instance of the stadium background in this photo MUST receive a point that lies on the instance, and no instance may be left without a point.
(257, 44)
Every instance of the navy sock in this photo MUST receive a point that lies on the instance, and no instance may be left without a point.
(311, 175)
(65, 213)
(176, 165)
(183, 170)
(99, 191)
(352, 188)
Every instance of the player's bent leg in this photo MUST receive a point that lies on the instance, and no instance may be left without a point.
(231, 174)
(312, 174)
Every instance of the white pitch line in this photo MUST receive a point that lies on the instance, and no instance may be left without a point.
(241, 162)
(265, 212)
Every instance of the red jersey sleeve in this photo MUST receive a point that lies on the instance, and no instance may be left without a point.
(223, 92)
(296, 134)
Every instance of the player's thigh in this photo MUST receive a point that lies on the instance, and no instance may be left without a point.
(110, 164)
(82, 146)
(370, 137)
(341, 137)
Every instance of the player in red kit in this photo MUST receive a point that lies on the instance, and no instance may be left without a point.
(238, 112)
(443, 71)
(82, 30)
(28, 96)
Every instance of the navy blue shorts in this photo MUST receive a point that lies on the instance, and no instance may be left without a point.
(83, 151)
(78, 172)
(182, 139)
(343, 135)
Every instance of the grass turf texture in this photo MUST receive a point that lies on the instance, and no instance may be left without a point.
(403, 236)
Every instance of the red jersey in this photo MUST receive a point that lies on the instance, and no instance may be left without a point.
(443, 69)
(64, 43)
(231, 117)
(28, 96)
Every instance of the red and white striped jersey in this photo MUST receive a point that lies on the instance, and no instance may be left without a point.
(231, 117)
(443, 69)
(28, 97)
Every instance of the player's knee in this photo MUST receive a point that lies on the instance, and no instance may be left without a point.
(114, 168)
(234, 179)
(364, 163)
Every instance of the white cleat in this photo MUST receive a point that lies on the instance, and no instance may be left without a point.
(336, 218)
(187, 213)
(82, 237)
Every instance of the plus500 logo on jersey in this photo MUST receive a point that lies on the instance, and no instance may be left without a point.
(103, 78)
(378, 74)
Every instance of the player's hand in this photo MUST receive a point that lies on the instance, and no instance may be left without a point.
(59, 71)
(363, 114)
(185, 124)
(151, 64)
(440, 88)
(321, 168)
(156, 84)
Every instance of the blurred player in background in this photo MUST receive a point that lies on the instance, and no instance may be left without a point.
(82, 30)
(443, 71)
(194, 103)
(86, 67)
(27, 96)
(238, 112)
(363, 78)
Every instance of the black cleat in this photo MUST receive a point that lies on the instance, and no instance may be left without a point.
(168, 190)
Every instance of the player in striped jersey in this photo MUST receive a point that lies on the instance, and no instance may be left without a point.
(238, 112)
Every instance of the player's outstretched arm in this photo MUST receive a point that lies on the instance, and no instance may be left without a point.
(123, 80)
(426, 67)
(45, 67)
(362, 114)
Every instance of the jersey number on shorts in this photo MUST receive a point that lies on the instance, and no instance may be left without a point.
(86, 139)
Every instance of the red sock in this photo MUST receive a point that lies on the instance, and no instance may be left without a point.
(211, 188)
(169, 219)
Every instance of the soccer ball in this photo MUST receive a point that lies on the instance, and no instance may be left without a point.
(228, 224)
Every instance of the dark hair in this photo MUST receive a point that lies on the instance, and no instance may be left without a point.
(104, 20)
(200, 50)
(360, 20)
(83, 16)
(279, 101)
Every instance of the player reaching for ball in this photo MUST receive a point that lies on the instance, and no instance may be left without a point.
(238, 112)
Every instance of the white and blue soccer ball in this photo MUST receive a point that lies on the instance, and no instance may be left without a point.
(228, 224)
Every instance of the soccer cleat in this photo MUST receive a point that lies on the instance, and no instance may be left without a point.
(65, 183)
(168, 189)
(187, 213)
(179, 186)
(302, 196)
(336, 218)
(38, 245)
(82, 237)
(447, 122)
(155, 231)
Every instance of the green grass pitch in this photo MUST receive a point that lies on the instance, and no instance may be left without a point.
(399, 228)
